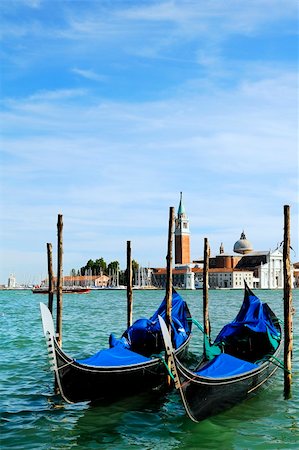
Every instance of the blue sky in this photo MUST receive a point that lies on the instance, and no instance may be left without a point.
(110, 108)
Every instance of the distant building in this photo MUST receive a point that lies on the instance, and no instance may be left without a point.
(267, 268)
(83, 281)
(191, 277)
(184, 277)
(230, 278)
(11, 284)
(87, 281)
(260, 269)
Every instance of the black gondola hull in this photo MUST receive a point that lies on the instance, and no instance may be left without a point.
(204, 397)
(78, 382)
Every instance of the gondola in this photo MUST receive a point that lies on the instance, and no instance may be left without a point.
(65, 290)
(130, 365)
(243, 358)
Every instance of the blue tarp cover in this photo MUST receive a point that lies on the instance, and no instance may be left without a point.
(180, 324)
(116, 356)
(143, 338)
(178, 312)
(225, 365)
(253, 314)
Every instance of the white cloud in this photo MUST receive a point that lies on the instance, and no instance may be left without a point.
(233, 14)
(32, 3)
(216, 133)
(89, 74)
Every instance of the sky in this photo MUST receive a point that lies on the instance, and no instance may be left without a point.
(111, 108)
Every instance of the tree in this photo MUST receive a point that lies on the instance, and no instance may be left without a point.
(113, 267)
(124, 274)
(135, 266)
(100, 266)
(96, 267)
(89, 265)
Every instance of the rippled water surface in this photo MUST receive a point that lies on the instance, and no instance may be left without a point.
(32, 417)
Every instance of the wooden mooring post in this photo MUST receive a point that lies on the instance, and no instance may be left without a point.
(206, 320)
(59, 279)
(288, 320)
(50, 277)
(129, 285)
(169, 269)
(169, 281)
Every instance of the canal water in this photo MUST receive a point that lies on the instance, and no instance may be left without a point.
(32, 417)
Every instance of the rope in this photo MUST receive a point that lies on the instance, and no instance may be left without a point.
(211, 350)
(277, 362)
(168, 369)
(191, 319)
(165, 364)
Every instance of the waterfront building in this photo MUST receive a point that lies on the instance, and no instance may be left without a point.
(90, 281)
(191, 277)
(183, 277)
(260, 269)
(230, 278)
(266, 266)
(98, 281)
(11, 284)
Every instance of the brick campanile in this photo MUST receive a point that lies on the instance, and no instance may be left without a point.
(182, 236)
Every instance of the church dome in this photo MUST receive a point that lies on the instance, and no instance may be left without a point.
(243, 246)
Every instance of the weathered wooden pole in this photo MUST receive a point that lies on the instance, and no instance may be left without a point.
(288, 331)
(50, 277)
(169, 280)
(169, 268)
(59, 280)
(206, 320)
(129, 285)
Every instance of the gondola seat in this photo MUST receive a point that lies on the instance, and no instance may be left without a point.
(112, 357)
(225, 365)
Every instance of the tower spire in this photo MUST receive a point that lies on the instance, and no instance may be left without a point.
(181, 209)
(182, 235)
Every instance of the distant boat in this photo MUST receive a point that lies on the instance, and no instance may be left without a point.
(120, 286)
(65, 290)
(198, 283)
(143, 277)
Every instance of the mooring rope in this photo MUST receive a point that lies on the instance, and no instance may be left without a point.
(277, 362)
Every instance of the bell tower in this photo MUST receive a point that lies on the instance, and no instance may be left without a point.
(182, 235)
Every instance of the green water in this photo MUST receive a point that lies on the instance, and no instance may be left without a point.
(33, 418)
